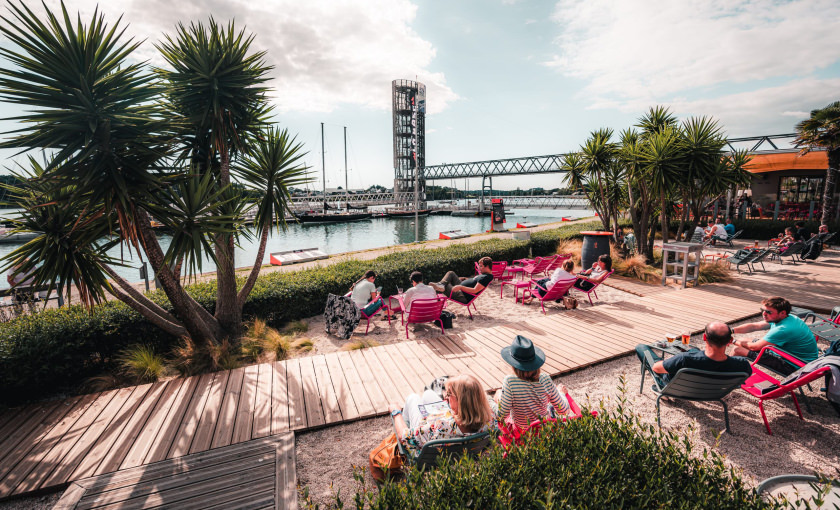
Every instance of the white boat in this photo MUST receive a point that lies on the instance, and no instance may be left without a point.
(7, 235)
(284, 258)
(453, 234)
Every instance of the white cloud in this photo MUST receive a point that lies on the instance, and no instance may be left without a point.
(636, 53)
(326, 53)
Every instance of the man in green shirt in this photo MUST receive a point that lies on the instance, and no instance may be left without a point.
(786, 332)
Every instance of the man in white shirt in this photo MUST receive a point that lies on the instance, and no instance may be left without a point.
(419, 290)
(718, 231)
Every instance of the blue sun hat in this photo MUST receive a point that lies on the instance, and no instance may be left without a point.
(523, 354)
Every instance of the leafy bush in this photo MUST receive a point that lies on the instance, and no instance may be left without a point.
(612, 461)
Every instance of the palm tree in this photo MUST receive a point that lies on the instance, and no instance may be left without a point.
(124, 147)
(822, 131)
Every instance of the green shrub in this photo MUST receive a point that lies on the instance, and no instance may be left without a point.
(142, 364)
(612, 461)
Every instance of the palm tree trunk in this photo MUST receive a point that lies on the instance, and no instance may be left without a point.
(185, 307)
(255, 271)
(663, 217)
(228, 314)
(830, 183)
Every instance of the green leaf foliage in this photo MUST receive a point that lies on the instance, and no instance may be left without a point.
(611, 461)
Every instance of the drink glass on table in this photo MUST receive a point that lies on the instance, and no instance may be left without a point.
(686, 337)
(671, 338)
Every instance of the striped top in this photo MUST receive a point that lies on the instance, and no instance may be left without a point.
(526, 401)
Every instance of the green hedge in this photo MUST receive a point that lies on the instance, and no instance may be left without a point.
(768, 229)
(605, 462)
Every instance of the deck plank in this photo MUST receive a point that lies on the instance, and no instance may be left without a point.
(160, 443)
(279, 398)
(192, 416)
(247, 400)
(311, 394)
(297, 404)
(262, 404)
(142, 444)
(343, 391)
(356, 390)
(203, 435)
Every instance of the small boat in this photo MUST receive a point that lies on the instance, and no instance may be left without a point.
(7, 236)
(404, 213)
(526, 225)
(568, 218)
(464, 213)
(440, 212)
(453, 234)
(284, 258)
(316, 217)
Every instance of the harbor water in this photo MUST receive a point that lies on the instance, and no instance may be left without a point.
(333, 238)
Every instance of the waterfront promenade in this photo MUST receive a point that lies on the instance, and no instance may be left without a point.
(50, 444)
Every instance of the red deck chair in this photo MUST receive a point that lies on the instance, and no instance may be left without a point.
(554, 293)
(498, 269)
(468, 304)
(763, 378)
(510, 436)
(593, 289)
(539, 266)
(369, 317)
(425, 310)
(558, 261)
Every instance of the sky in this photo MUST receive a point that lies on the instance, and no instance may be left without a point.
(512, 78)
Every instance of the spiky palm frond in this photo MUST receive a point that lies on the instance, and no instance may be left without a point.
(214, 87)
(72, 242)
(94, 111)
(273, 166)
(820, 130)
(656, 120)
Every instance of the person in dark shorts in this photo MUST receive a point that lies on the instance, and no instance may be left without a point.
(594, 275)
(712, 358)
(463, 289)
(786, 332)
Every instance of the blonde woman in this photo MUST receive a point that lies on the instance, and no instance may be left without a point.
(425, 418)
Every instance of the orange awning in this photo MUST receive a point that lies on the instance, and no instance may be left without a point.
(815, 160)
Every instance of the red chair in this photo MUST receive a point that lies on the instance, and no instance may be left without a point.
(539, 266)
(498, 269)
(425, 310)
(593, 289)
(558, 262)
(554, 293)
(761, 381)
(469, 303)
(371, 316)
(511, 435)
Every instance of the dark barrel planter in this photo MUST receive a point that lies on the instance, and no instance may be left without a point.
(595, 244)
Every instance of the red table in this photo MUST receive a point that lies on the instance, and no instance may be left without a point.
(516, 287)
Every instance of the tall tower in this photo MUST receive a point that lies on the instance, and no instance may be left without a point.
(409, 106)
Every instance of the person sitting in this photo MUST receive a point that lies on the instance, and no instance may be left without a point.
(712, 358)
(586, 280)
(528, 394)
(463, 289)
(785, 241)
(814, 245)
(563, 272)
(715, 232)
(418, 290)
(800, 233)
(468, 412)
(787, 332)
(366, 296)
(729, 227)
(700, 230)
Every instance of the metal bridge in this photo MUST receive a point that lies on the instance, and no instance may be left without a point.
(518, 201)
(553, 163)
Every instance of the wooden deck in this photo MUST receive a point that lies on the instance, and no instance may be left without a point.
(55, 443)
(258, 475)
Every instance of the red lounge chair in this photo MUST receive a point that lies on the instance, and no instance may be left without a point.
(593, 289)
(425, 310)
(510, 436)
(558, 261)
(371, 316)
(468, 304)
(539, 266)
(759, 377)
(554, 293)
(499, 269)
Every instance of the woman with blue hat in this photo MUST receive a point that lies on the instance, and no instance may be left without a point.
(528, 395)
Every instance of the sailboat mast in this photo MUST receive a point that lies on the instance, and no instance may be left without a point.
(346, 189)
(323, 170)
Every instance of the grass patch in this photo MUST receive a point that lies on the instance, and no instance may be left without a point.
(294, 327)
(636, 267)
(714, 273)
(359, 344)
(303, 345)
(142, 364)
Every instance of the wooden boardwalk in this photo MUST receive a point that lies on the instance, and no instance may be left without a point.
(55, 443)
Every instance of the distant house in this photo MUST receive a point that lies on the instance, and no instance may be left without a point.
(792, 179)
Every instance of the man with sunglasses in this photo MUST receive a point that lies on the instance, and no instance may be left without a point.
(786, 332)
(713, 358)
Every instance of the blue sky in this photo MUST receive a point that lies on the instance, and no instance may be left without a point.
(509, 78)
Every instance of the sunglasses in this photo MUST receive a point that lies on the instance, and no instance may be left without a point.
(767, 312)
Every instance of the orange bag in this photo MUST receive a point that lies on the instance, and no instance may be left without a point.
(385, 460)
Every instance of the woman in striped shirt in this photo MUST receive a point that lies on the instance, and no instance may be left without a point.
(528, 395)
